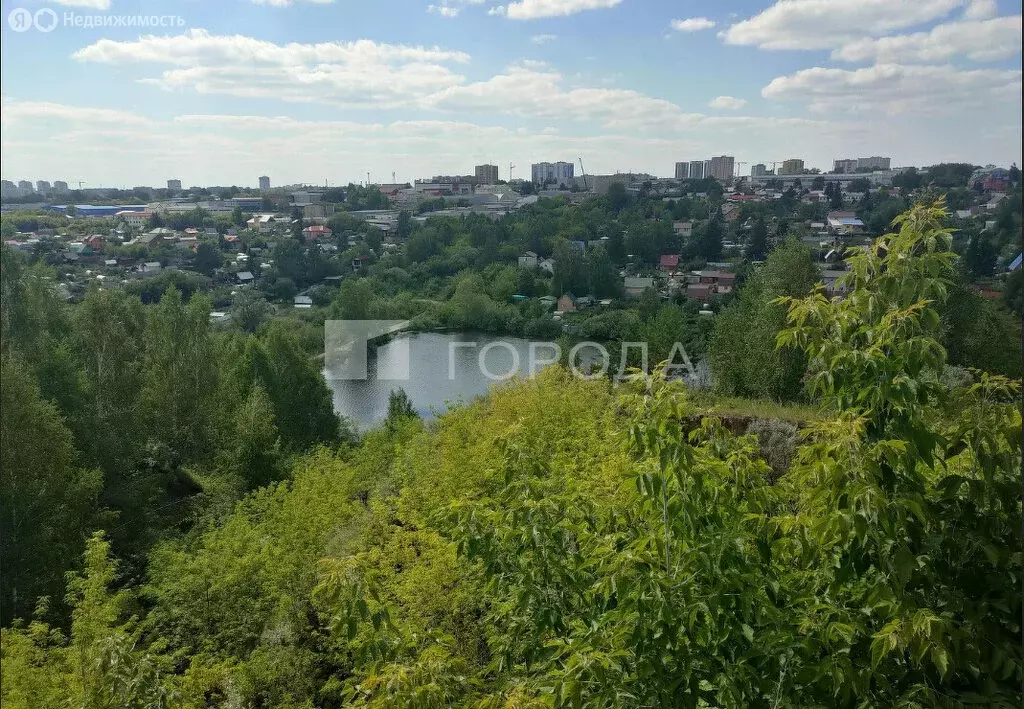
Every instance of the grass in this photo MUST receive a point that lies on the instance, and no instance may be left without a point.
(708, 403)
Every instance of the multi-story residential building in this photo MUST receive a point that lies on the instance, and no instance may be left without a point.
(60, 186)
(42, 186)
(486, 174)
(793, 166)
(682, 170)
(8, 189)
(849, 166)
(558, 173)
(697, 170)
(264, 183)
(844, 166)
(25, 185)
(875, 162)
(134, 219)
(758, 170)
(174, 185)
(723, 167)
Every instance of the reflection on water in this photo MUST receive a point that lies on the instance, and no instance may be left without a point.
(442, 368)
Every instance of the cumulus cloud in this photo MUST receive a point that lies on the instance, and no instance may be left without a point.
(693, 24)
(895, 89)
(824, 24)
(535, 9)
(981, 9)
(988, 40)
(727, 103)
(358, 73)
(365, 74)
(451, 8)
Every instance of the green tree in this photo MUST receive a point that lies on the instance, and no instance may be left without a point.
(46, 501)
(399, 407)
(180, 374)
(757, 247)
(207, 258)
(602, 276)
(354, 300)
(743, 354)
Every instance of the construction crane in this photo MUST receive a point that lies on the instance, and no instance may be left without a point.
(583, 174)
(739, 164)
(510, 166)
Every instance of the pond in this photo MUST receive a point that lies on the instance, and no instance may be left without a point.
(441, 368)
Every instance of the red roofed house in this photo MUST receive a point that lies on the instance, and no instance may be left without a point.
(718, 281)
(698, 292)
(669, 262)
(566, 304)
(94, 242)
(316, 231)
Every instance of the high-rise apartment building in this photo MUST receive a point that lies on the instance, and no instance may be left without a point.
(25, 185)
(793, 166)
(682, 170)
(696, 169)
(844, 167)
(60, 186)
(758, 170)
(264, 183)
(557, 173)
(849, 165)
(42, 186)
(875, 162)
(486, 174)
(174, 185)
(722, 167)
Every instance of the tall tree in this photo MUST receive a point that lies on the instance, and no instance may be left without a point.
(46, 501)
(757, 247)
(743, 354)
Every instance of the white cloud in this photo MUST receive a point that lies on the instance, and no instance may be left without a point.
(497, 11)
(370, 75)
(824, 24)
(444, 10)
(988, 40)
(543, 38)
(728, 103)
(20, 112)
(451, 8)
(981, 10)
(894, 89)
(534, 9)
(693, 24)
(358, 73)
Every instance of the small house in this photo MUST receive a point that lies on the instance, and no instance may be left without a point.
(528, 260)
(636, 285)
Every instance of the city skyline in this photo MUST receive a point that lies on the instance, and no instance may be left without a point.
(308, 91)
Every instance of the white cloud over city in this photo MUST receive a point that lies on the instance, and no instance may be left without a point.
(856, 72)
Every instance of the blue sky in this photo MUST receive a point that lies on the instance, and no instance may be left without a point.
(313, 91)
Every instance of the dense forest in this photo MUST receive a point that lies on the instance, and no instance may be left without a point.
(186, 522)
